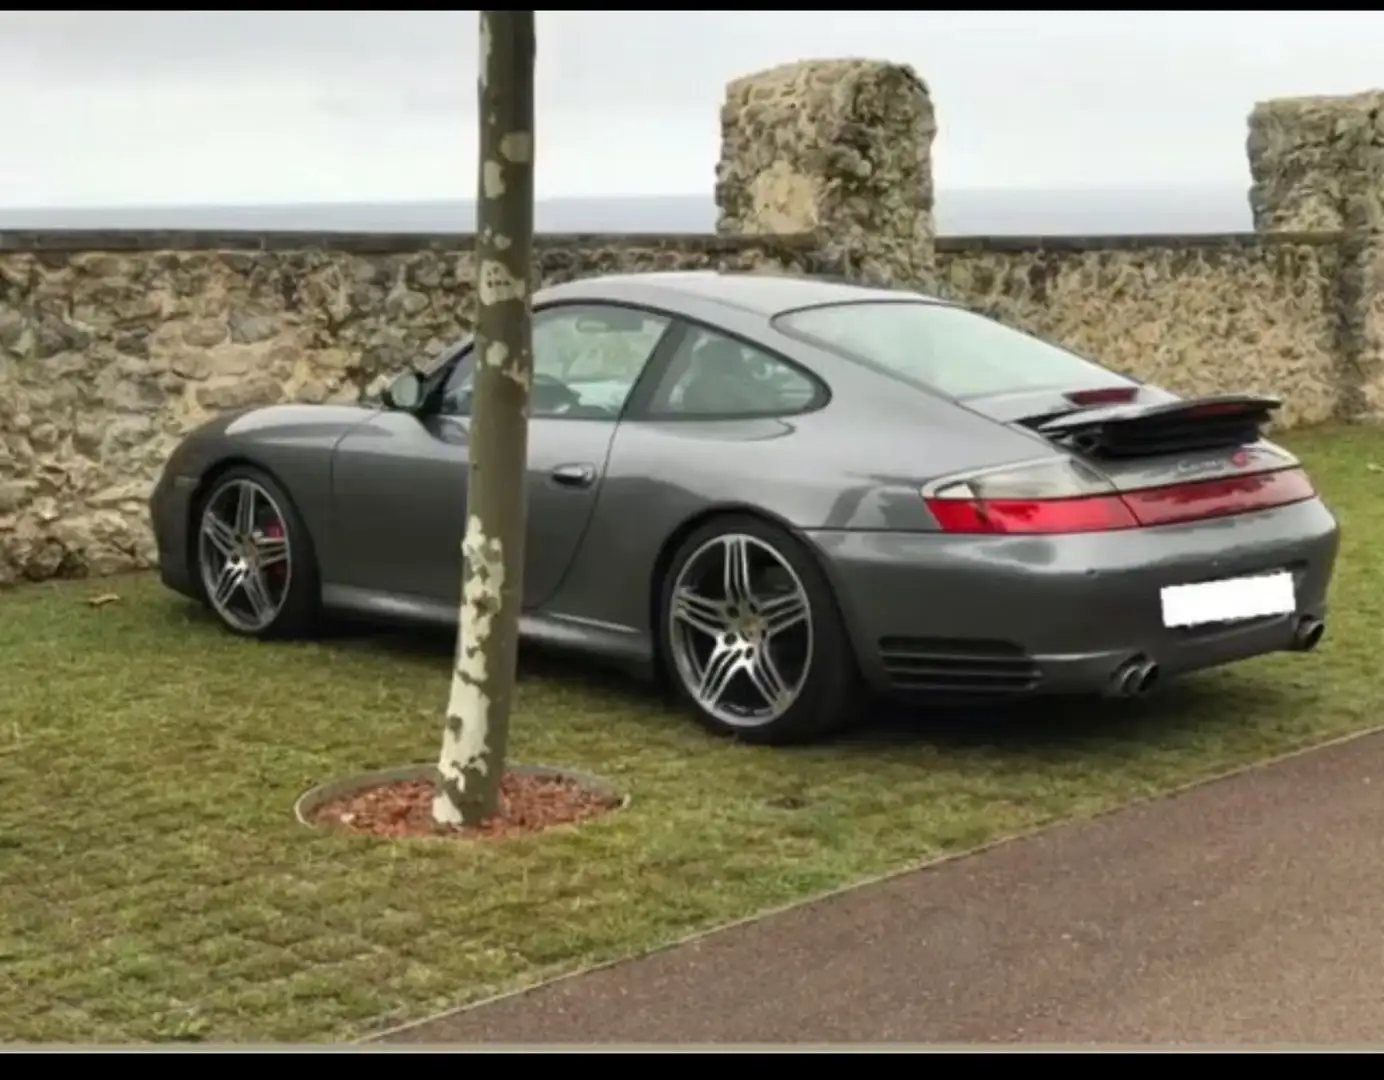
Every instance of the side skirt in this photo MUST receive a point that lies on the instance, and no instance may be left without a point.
(619, 645)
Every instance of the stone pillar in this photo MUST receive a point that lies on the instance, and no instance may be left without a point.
(838, 148)
(1311, 158)
(1317, 165)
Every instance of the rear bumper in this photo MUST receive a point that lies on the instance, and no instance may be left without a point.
(933, 613)
(170, 510)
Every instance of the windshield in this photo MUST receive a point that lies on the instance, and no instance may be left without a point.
(950, 349)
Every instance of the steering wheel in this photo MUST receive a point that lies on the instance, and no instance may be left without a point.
(550, 394)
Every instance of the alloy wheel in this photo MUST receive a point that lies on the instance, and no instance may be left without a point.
(243, 552)
(740, 630)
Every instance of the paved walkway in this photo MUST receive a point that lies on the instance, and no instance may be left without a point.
(1248, 910)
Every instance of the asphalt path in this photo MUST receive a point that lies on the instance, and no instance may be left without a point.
(1247, 910)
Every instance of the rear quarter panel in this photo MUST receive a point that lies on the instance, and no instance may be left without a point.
(856, 464)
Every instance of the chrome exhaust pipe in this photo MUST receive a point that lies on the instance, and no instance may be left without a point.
(1308, 633)
(1132, 678)
(1148, 679)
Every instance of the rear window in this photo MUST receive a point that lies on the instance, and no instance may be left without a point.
(950, 349)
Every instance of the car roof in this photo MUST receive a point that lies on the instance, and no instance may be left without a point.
(765, 294)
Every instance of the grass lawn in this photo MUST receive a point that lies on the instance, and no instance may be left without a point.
(153, 884)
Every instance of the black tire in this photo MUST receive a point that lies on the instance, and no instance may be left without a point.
(300, 611)
(830, 693)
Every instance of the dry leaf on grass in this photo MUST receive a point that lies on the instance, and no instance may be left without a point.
(102, 600)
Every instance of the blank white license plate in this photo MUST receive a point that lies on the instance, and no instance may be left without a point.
(1228, 601)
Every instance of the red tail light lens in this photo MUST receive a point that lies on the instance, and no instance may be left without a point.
(1219, 498)
(1099, 513)
(1054, 495)
(1063, 497)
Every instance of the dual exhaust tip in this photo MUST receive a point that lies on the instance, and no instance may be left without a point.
(1308, 634)
(1135, 678)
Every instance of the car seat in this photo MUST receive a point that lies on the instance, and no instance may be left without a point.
(718, 381)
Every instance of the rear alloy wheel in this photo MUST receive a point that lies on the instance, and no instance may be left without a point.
(752, 637)
(254, 557)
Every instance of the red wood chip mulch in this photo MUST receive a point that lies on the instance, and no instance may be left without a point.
(528, 803)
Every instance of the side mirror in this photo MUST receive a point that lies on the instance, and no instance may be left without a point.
(405, 393)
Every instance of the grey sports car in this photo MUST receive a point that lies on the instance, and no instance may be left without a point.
(779, 493)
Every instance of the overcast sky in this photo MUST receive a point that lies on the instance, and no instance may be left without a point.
(107, 108)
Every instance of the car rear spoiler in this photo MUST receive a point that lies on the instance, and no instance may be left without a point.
(1131, 430)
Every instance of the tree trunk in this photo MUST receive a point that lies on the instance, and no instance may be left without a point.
(474, 742)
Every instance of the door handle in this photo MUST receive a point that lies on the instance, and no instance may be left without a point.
(574, 476)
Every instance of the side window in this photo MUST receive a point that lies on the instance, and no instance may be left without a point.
(714, 376)
(586, 360)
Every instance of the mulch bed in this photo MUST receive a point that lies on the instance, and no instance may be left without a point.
(528, 803)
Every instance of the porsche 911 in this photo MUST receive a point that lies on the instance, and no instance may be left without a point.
(784, 496)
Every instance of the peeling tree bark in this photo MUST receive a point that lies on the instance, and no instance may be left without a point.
(476, 736)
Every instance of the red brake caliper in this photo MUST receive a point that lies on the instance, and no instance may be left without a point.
(275, 532)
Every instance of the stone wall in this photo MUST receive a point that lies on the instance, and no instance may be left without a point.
(108, 355)
(1197, 315)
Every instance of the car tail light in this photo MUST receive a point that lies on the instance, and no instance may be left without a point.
(1063, 496)
(1219, 498)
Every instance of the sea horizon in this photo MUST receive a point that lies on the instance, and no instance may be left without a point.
(967, 212)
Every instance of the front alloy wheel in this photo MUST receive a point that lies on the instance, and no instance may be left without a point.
(244, 555)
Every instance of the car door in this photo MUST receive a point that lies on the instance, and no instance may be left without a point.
(399, 482)
(712, 404)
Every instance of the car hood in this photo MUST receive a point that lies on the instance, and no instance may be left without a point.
(230, 432)
(307, 417)
(245, 423)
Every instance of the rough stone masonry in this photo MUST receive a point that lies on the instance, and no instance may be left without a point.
(1318, 163)
(1315, 162)
(840, 148)
(112, 346)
